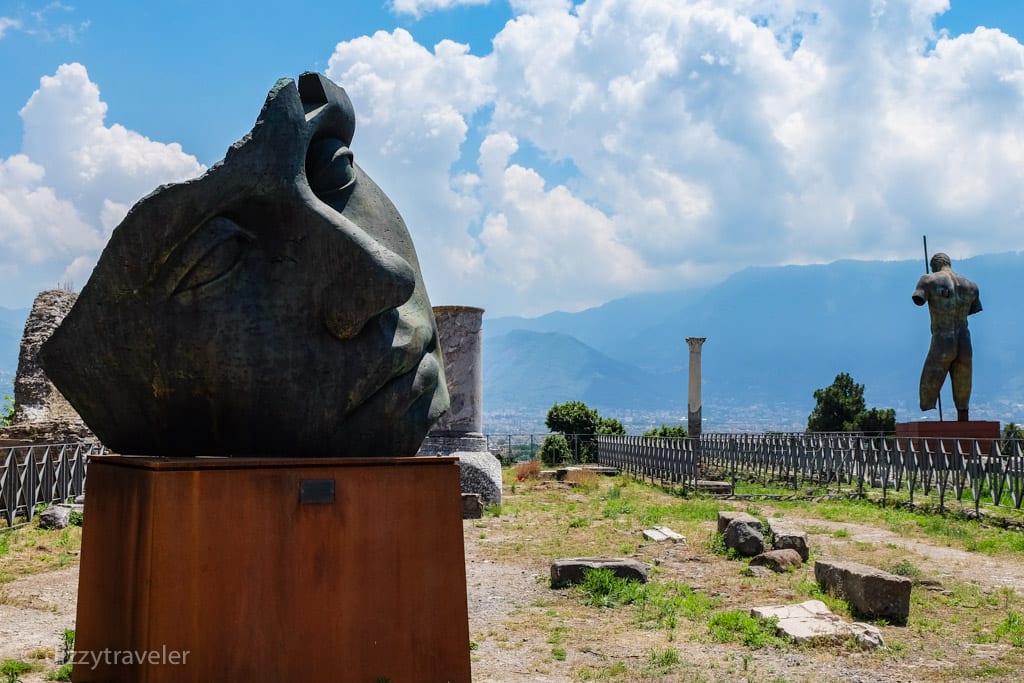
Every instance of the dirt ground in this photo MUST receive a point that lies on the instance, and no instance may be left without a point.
(517, 622)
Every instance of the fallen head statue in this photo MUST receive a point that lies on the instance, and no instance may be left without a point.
(272, 307)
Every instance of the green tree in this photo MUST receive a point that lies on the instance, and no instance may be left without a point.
(609, 425)
(674, 431)
(555, 450)
(7, 412)
(876, 420)
(1011, 432)
(572, 417)
(840, 408)
(579, 423)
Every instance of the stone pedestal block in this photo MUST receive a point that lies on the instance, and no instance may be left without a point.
(870, 591)
(230, 569)
(480, 473)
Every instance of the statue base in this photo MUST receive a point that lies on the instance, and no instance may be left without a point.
(232, 569)
(447, 443)
(949, 434)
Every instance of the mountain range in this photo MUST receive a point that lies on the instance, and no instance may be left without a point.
(774, 335)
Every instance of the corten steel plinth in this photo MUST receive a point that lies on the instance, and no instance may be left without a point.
(230, 569)
(949, 434)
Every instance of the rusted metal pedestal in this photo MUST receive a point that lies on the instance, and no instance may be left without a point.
(225, 569)
(949, 434)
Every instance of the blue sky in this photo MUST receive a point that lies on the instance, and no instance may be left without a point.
(546, 154)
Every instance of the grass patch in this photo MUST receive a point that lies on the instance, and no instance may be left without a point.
(1012, 629)
(661, 662)
(601, 588)
(31, 550)
(616, 507)
(62, 673)
(11, 670)
(905, 568)
(657, 605)
(739, 626)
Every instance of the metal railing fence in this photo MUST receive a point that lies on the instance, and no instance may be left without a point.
(986, 471)
(674, 460)
(30, 475)
(511, 448)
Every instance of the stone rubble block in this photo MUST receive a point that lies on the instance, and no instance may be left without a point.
(570, 571)
(745, 538)
(812, 621)
(472, 506)
(727, 516)
(777, 560)
(55, 517)
(785, 536)
(870, 591)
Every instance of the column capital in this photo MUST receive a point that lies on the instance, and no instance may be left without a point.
(695, 342)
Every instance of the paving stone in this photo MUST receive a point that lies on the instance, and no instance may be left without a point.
(812, 621)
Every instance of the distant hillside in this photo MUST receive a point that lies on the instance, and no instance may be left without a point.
(524, 369)
(776, 334)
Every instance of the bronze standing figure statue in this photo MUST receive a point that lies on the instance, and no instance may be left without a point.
(950, 298)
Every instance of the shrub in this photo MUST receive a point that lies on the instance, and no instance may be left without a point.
(674, 431)
(12, 669)
(555, 450)
(7, 412)
(60, 674)
(527, 470)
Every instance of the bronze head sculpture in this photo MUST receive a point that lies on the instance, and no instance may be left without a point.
(272, 307)
(950, 298)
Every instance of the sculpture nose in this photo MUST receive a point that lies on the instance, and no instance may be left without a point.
(372, 281)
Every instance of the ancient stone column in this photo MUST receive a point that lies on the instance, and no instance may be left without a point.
(693, 419)
(460, 429)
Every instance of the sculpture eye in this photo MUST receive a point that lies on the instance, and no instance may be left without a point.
(208, 255)
(330, 168)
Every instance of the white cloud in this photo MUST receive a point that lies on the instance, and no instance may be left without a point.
(418, 8)
(703, 137)
(611, 146)
(7, 23)
(71, 184)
